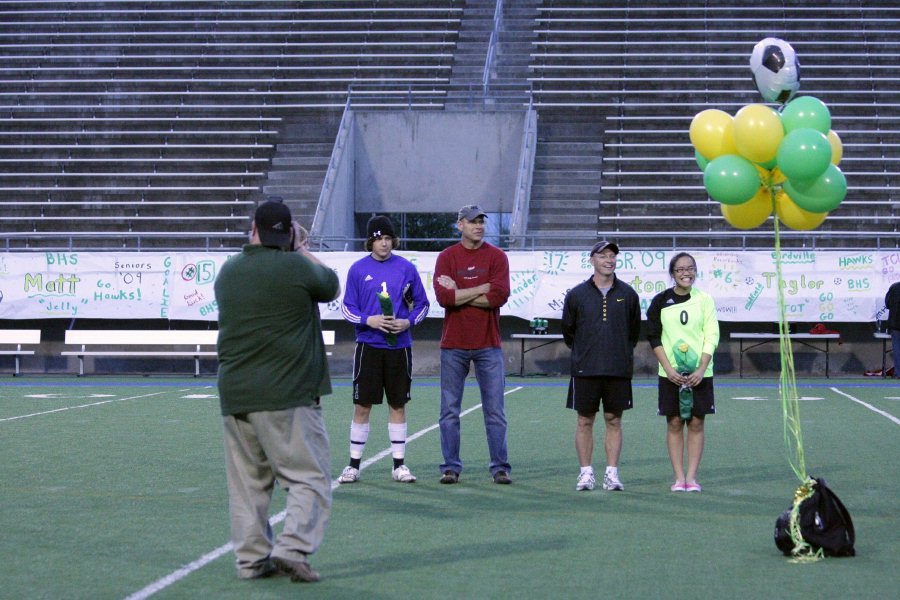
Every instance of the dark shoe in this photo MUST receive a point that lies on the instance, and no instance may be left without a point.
(299, 570)
(450, 477)
(266, 569)
(502, 477)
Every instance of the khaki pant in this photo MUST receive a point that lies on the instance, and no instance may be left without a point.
(288, 445)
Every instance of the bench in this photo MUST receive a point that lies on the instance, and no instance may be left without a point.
(765, 338)
(172, 338)
(17, 337)
(203, 342)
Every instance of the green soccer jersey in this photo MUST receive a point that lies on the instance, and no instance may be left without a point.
(685, 326)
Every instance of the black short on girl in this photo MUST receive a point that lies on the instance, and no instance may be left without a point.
(704, 402)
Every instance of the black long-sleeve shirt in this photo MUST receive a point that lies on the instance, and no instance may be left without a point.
(602, 331)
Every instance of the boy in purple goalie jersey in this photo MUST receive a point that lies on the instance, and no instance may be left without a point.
(382, 361)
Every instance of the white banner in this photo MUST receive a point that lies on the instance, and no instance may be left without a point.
(819, 286)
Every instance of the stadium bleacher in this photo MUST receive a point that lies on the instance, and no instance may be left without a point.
(112, 114)
(117, 116)
(645, 71)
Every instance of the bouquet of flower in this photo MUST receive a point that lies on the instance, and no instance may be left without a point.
(686, 360)
(387, 309)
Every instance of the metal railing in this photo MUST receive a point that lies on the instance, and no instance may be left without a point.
(337, 153)
(693, 240)
(492, 47)
(522, 201)
(208, 241)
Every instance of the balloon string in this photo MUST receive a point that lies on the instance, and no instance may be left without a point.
(790, 404)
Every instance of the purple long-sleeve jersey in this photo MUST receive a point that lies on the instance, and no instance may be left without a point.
(361, 297)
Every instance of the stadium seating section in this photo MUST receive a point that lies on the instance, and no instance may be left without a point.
(159, 125)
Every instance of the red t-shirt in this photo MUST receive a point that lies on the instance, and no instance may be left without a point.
(469, 327)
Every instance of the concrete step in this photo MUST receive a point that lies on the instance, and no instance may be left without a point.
(563, 239)
(576, 222)
(558, 161)
(565, 177)
(284, 190)
(561, 191)
(544, 206)
(296, 176)
(308, 149)
(575, 142)
(301, 162)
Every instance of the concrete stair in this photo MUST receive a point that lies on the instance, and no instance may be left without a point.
(301, 161)
(565, 190)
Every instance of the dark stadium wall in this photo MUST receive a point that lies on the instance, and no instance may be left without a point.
(857, 353)
(427, 161)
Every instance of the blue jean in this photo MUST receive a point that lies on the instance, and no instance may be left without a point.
(491, 376)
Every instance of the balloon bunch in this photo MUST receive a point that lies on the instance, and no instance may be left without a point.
(763, 159)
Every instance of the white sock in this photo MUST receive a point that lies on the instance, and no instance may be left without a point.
(587, 469)
(359, 435)
(397, 434)
(614, 471)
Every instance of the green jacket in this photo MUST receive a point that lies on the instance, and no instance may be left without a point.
(271, 354)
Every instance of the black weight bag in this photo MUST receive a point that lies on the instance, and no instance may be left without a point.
(824, 523)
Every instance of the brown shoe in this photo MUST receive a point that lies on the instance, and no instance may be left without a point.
(299, 570)
(502, 477)
(450, 477)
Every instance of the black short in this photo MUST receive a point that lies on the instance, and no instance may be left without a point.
(704, 400)
(379, 372)
(587, 393)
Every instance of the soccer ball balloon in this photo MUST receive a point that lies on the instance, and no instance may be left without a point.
(775, 69)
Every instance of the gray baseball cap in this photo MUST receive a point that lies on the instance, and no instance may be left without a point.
(603, 245)
(470, 212)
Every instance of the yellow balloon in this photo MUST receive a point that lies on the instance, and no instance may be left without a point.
(795, 217)
(770, 177)
(751, 213)
(757, 132)
(712, 133)
(837, 148)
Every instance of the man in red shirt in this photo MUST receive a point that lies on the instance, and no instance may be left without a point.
(471, 282)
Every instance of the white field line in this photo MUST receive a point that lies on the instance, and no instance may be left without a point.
(65, 408)
(178, 574)
(869, 406)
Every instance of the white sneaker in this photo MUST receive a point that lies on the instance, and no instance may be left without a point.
(349, 475)
(585, 482)
(611, 482)
(403, 475)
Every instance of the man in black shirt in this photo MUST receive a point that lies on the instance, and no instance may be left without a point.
(601, 323)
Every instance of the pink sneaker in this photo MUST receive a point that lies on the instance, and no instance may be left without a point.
(692, 486)
(678, 486)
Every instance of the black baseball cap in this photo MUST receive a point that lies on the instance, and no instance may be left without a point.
(273, 223)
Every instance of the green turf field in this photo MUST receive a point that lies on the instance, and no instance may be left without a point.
(116, 489)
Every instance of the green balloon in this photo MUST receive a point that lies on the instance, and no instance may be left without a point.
(769, 164)
(731, 179)
(804, 154)
(701, 160)
(824, 194)
(806, 112)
